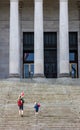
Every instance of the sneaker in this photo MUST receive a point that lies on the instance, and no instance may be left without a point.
(21, 115)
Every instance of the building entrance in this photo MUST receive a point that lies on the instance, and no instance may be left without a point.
(73, 54)
(28, 70)
(50, 54)
(73, 70)
(50, 66)
(28, 54)
(73, 64)
(28, 64)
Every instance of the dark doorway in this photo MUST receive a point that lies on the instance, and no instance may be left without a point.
(50, 54)
(73, 54)
(28, 54)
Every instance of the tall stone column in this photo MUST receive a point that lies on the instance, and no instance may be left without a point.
(63, 59)
(14, 49)
(38, 39)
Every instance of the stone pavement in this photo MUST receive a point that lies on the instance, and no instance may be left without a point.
(59, 98)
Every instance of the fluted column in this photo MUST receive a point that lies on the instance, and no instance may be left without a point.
(63, 59)
(14, 50)
(38, 39)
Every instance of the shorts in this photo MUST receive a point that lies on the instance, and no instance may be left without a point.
(21, 107)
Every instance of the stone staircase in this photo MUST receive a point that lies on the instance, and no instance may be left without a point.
(59, 99)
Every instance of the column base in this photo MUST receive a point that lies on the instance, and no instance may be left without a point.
(38, 76)
(14, 76)
(64, 75)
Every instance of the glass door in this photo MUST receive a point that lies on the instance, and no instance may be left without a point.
(28, 70)
(73, 59)
(73, 70)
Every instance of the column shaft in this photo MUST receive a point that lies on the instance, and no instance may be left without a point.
(14, 59)
(63, 40)
(38, 39)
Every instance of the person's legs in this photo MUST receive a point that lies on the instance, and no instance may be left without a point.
(22, 110)
(36, 111)
(19, 110)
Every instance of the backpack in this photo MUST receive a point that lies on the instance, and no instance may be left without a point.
(38, 104)
(19, 102)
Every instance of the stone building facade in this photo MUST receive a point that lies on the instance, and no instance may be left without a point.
(40, 38)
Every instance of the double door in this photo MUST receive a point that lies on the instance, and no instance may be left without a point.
(73, 57)
(50, 70)
(28, 70)
(73, 70)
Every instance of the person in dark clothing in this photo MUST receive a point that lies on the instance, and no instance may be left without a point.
(36, 107)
